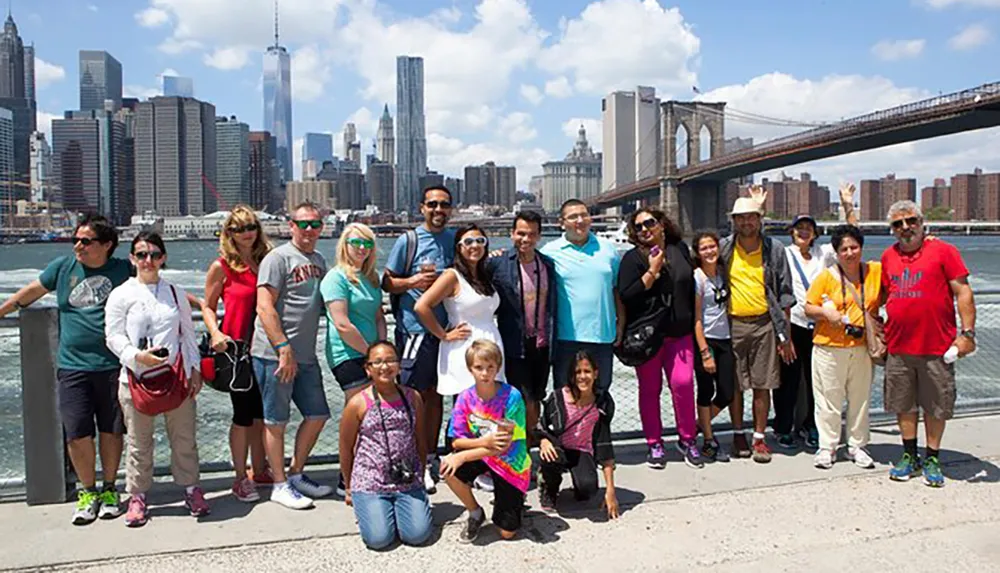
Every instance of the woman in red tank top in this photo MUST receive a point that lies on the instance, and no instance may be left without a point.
(233, 278)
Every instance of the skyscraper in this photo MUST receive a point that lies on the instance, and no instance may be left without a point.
(125, 174)
(29, 72)
(11, 61)
(350, 136)
(577, 176)
(14, 96)
(175, 154)
(380, 179)
(41, 166)
(87, 149)
(318, 146)
(386, 138)
(6, 160)
(490, 184)
(100, 79)
(265, 189)
(632, 139)
(411, 138)
(278, 100)
(178, 86)
(232, 160)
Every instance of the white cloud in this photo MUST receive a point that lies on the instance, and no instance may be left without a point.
(558, 88)
(939, 4)
(451, 155)
(152, 18)
(93, 8)
(595, 132)
(517, 127)
(970, 37)
(228, 58)
(310, 72)
(532, 94)
(47, 74)
(141, 92)
(173, 46)
(44, 121)
(619, 44)
(892, 50)
(366, 123)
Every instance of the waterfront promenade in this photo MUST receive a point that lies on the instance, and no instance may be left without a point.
(741, 516)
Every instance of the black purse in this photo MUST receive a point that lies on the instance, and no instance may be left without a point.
(233, 368)
(643, 337)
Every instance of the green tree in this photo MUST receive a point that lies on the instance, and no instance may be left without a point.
(939, 213)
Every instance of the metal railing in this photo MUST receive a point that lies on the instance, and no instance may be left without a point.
(45, 474)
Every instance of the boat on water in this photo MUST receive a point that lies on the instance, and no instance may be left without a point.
(619, 237)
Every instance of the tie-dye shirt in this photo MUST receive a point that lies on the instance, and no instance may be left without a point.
(472, 417)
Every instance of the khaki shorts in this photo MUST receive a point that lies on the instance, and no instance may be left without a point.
(755, 347)
(924, 381)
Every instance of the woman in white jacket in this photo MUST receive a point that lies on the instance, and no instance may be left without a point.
(145, 316)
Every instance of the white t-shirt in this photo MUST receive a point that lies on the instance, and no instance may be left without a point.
(822, 257)
(714, 317)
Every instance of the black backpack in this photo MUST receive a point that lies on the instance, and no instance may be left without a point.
(410, 237)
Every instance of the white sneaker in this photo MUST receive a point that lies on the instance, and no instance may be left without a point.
(823, 459)
(290, 497)
(430, 486)
(308, 487)
(860, 458)
(484, 482)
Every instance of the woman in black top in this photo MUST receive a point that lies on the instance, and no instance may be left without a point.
(656, 286)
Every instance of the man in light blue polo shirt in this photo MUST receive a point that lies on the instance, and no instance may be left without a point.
(588, 313)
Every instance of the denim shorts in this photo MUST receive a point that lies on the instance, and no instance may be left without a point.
(306, 390)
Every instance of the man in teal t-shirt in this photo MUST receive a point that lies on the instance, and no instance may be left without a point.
(87, 375)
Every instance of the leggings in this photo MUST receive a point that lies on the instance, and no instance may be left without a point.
(675, 359)
(582, 470)
(716, 389)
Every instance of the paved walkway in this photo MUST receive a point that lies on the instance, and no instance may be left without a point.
(785, 516)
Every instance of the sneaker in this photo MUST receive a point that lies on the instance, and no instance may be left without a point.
(692, 457)
(932, 472)
(711, 451)
(472, 526)
(341, 487)
(290, 497)
(484, 482)
(111, 504)
(907, 467)
(656, 458)
(245, 490)
(88, 502)
(761, 453)
(824, 459)
(430, 486)
(195, 502)
(264, 478)
(307, 487)
(137, 514)
(547, 500)
(786, 441)
(740, 447)
(860, 458)
(812, 438)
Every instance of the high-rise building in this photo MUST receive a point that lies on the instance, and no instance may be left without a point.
(100, 80)
(317, 192)
(278, 100)
(317, 148)
(18, 97)
(41, 165)
(386, 138)
(878, 195)
(431, 179)
(126, 171)
(265, 189)
(411, 138)
(790, 197)
(178, 86)
(29, 73)
(966, 190)
(457, 187)
(490, 184)
(87, 154)
(578, 176)
(6, 163)
(11, 62)
(175, 156)
(232, 160)
(380, 179)
(350, 136)
(937, 195)
(633, 144)
(350, 184)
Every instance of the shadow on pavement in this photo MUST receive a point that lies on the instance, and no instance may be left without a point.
(956, 465)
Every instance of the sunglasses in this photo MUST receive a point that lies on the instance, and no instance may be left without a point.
(436, 204)
(244, 228)
(85, 241)
(381, 363)
(470, 241)
(316, 224)
(648, 224)
(360, 243)
(151, 255)
(910, 222)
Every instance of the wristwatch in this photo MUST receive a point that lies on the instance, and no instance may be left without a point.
(968, 333)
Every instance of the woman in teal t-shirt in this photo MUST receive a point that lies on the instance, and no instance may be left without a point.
(354, 316)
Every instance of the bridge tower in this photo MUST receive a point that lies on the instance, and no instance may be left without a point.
(692, 205)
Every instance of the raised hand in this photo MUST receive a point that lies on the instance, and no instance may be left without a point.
(759, 194)
(847, 191)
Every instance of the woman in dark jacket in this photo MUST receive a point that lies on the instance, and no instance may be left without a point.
(574, 434)
(656, 286)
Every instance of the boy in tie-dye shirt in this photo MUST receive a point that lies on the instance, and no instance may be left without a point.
(488, 437)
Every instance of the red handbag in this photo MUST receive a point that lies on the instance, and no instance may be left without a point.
(163, 388)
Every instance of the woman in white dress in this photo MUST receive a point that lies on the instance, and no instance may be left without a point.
(470, 300)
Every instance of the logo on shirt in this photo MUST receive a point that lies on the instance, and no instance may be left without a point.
(906, 284)
(303, 273)
(92, 291)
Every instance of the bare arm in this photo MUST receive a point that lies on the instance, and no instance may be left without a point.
(268, 314)
(463, 444)
(214, 280)
(345, 328)
(442, 288)
(418, 407)
(619, 318)
(24, 297)
(966, 302)
(393, 284)
(699, 323)
(380, 327)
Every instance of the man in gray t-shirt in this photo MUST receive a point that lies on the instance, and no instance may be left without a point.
(289, 307)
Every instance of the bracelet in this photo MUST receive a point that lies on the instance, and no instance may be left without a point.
(280, 345)
(706, 352)
(18, 304)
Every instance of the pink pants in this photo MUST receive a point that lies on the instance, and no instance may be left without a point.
(676, 360)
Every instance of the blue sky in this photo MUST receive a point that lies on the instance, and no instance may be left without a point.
(511, 80)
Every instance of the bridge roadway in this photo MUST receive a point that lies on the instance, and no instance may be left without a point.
(740, 516)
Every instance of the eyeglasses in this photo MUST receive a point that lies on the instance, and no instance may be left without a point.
(360, 243)
(381, 363)
(244, 228)
(470, 241)
(313, 224)
(910, 222)
(436, 204)
(648, 224)
(85, 241)
(151, 255)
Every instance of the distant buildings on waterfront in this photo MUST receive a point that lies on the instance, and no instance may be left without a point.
(577, 176)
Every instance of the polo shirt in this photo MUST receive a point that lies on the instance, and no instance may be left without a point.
(585, 289)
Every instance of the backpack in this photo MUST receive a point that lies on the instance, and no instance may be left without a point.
(410, 237)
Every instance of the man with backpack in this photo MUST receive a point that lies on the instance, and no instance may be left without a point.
(416, 260)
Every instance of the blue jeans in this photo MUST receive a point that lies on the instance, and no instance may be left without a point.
(382, 515)
(306, 390)
(562, 357)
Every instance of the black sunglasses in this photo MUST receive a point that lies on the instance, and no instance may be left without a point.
(649, 224)
(436, 204)
(910, 222)
(85, 241)
(151, 255)
(244, 228)
(314, 224)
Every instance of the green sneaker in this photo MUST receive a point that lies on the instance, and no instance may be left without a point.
(87, 504)
(932, 473)
(110, 504)
(907, 467)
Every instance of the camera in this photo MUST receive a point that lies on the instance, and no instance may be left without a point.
(854, 331)
(721, 295)
(400, 472)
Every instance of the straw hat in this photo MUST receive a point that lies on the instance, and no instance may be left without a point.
(746, 206)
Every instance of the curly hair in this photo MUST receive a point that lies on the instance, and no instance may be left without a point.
(343, 261)
(697, 242)
(480, 280)
(671, 234)
(242, 215)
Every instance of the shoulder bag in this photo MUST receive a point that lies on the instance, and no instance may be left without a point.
(874, 327)
(163, 388)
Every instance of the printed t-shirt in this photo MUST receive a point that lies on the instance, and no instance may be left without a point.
(714, 320)
(828, 283)
(580, 422)
(747, 295)
(363, 300)
(533, 275)
(472, 417)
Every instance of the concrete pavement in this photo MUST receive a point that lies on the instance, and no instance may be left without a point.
(784, 516)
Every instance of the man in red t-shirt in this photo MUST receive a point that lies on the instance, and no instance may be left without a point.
(921, 280)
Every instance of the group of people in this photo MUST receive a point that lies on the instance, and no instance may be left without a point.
(485, 327)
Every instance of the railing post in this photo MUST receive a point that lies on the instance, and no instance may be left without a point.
(44, 447)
